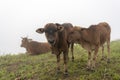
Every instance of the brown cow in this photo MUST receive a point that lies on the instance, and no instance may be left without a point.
(91, 39)
(57, 35)
(35, 48)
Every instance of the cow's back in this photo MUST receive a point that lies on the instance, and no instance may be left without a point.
(91, 35)
(44, 47)
(34, 47)
(98, 33)
(38, 48)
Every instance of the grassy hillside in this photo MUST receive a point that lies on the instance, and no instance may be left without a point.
(43, 67)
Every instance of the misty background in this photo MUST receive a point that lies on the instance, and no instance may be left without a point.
(20, 18)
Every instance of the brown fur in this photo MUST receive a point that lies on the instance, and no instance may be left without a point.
(68, 27)
(57, 36)
(91, 39)
(34, 47)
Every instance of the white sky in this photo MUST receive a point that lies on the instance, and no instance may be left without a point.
(20, 18)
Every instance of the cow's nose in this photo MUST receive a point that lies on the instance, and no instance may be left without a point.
(51, 41)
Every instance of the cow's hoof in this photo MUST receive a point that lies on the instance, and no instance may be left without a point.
(88, 68)
(102, 59)
(58, 71)
(91, 69)
(66, 73)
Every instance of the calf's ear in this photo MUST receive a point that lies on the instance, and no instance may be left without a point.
(57, 24)
(60, 28)
(40, 30)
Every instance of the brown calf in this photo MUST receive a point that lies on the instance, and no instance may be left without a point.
(91, 39)
(35, 48)
(57, 35)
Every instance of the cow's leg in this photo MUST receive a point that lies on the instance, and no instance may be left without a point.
(108, 49)
(95, 56)
(65, 55)
(102, 52)
(58, 62)
(89, 60)
(72, 48)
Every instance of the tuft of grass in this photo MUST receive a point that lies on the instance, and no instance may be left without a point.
(43, 67)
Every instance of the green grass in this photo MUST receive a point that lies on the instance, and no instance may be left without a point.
(43, 67)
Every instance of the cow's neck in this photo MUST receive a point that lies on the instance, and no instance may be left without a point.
(60, 40)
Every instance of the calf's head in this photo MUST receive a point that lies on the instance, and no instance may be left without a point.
(75, 34)
(51, 32)
(25, 41)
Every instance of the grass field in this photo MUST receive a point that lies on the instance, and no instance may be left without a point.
(43, 67)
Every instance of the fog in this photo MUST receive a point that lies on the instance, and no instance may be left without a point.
(20, 18)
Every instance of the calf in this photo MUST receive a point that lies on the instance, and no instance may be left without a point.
(35, 48)
(57, 35)
(91, 39)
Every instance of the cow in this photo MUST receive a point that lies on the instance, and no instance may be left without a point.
(91, 39)
(34, 47)
(57, 35)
